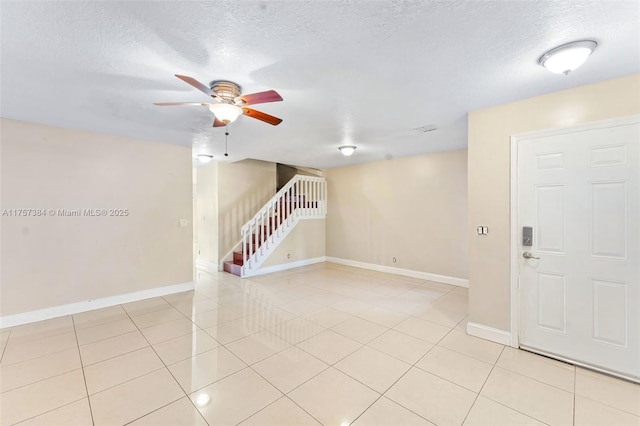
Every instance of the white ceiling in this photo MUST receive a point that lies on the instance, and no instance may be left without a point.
(350, 72)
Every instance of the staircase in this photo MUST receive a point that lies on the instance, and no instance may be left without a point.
(303, 197)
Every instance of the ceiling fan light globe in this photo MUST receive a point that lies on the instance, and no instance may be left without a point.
(226, 112)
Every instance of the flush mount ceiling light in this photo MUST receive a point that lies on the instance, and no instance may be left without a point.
(347, 150)
(427, 128)
(227, 113)
(204, 158)
(566, 58)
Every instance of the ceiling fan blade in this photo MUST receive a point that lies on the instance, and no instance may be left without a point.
(195, 83)
(218, 123)
(262, 116)
(181, 104)
(261, 97)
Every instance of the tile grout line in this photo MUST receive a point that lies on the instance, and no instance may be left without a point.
(296, 387)
(224, 345)
(500, 403)
(137, 330)
(150, 346)
(329, 366)
(4, 348)
(48, 411)
(532, 378)
(84, 377)
(482, 387)
(414, 365)
(575, 374)
(367, 409)
(115, 356)
(42, 380)
(263, 408)
(39, 356)
(164, 366)
(602, 402)
(33, 339)
(382, 394)
(216, 381)
(462, 353)
(48, 378)
(302, 408)
(316, 285)
(517, 411)
(157, 409)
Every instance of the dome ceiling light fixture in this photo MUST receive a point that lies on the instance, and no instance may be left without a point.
(426, 129)
(347, 150)
(566, 58)
(204, 158)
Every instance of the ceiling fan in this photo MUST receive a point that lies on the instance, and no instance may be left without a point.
(229, 102)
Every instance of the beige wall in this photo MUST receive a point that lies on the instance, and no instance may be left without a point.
(50, 261)
(305, 241)
(285, 173)
(243, 188)
(489, 167)
(413, 209)
(206, 225)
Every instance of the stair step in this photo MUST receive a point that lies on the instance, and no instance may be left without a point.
(232, 268)
(237, 258)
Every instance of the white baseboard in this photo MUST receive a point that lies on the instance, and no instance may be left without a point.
(207, 266)
(489, 333)
(89, 305)
(460, 282)
(285, 266)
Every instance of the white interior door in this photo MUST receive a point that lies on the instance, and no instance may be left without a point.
(580, 301)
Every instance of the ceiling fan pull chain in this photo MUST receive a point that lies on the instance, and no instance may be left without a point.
(226, 138)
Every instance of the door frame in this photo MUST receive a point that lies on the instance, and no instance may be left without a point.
(513, 201)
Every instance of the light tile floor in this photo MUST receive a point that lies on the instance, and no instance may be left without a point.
(324, 344)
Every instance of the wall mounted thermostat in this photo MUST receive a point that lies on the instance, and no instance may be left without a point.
(527, 236)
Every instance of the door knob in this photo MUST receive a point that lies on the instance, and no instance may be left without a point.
(528, 255)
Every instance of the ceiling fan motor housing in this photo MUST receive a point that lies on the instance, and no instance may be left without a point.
(225, 90)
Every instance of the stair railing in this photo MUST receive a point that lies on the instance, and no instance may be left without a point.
(303, 197)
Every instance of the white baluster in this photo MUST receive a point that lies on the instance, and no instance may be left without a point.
(307, 196)
(244, 248)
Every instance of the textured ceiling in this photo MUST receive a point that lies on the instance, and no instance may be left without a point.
(350, 72)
